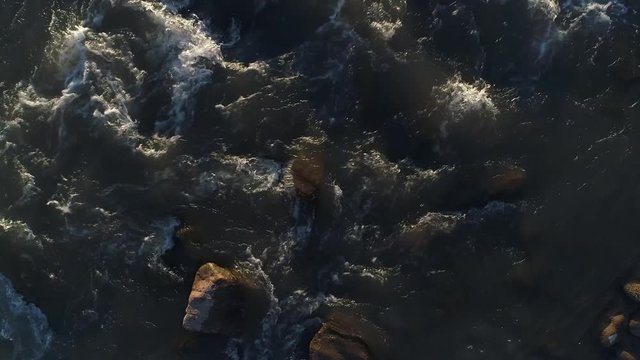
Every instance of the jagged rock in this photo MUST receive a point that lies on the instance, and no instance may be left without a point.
(347, 337)
(217, 303)
(632, 289)
(611, 334)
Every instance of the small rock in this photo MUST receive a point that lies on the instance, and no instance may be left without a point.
(216, 303)
(612, 332)
(506, 181)
(308, 168)
(632, 289)
(308, 173)
(634, 327)
(184, 232)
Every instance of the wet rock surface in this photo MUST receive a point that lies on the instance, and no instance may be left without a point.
(612, 332)
(344, 336)
(218, 302)
(632, 289)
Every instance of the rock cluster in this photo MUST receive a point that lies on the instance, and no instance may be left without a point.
(615, 332)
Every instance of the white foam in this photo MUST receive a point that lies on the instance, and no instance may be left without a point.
(593, 16)
(157, 146)
(83, 61)
(29, 188)
(188, 43)
(19, 231)
(435, 222)
(95, 63)
(157, 243)
(547, 8)
(175, 5)
(463, 100)
(252, 175)
(385, 17)
(23, 324)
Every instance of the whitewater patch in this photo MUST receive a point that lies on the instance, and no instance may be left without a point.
(91, 67)
(191, 50)
(155, 245)
(464, 101)
(546, 8)
(252, 175)
(100, 80)
(19, 232)
(545, 13)
(385, 17)
(595, 16)
(22, 324)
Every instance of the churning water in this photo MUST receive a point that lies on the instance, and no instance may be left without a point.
(482, 189)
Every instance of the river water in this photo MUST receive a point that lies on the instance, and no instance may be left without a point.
(481, 196)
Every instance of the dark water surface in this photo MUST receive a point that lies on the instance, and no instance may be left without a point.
(482, 189)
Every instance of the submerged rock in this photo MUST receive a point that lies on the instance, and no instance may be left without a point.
(308, 168)
(611, 334)
(505, 180)
(347, 337)
(217, 303)
(308, 173)
(632, 289)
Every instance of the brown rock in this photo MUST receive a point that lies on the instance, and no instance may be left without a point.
(505, 180)
(348, 337)
(328, 344)
(216, 303)
(611, 333)
(308, 166)
(632, 289)
(308, 173)
(184, 232)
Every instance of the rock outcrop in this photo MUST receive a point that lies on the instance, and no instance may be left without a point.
(347, 337)
(217, 303)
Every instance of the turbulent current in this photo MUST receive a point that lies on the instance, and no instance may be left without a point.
(481, 188)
